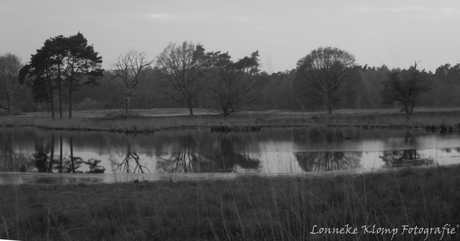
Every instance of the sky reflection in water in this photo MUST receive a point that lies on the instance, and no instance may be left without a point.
(197, 153)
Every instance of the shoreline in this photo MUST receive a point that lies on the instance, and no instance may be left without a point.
(430, 120)
(39, 178)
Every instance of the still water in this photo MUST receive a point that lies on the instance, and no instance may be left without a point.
(29, 155)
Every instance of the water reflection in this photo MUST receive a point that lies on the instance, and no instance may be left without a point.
(10, 160)
(185, 159)
(288, 150)
(196, 158)
(40, 162)
(95, 166)
(328, 161)
(397, 158)
(43, 159)
(130, 163)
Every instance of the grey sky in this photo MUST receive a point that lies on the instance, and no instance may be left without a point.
(391, 32)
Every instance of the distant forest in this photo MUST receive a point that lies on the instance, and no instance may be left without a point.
(277, 91)
(214, 75)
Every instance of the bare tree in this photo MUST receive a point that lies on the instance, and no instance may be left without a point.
(11, 90)
(129, 68)
(326, 76)
(232, 86)
(404, 87)
(182, 68)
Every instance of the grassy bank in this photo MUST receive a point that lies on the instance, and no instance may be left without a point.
(145, 121)
(252, 208)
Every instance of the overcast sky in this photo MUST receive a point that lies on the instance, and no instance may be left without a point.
(391, 32)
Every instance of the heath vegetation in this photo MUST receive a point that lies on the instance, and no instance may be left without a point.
(248, 208)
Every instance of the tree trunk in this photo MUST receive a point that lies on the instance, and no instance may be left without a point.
(53, 115)
(50, 89)
(225, 112)
(408, 112)
(70, 96)
(190, 108)
(127, 106)
(8, 106)
(59, 90)
(127, 102)
(8, 101)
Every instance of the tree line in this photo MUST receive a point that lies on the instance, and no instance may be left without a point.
(66, 73)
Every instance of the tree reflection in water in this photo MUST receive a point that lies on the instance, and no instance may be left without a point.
(43, 157)
(10, 161)
(71, 164)
(40, 163)
(194, 158)
(401, 158)
(224, 158)
(182, 161)
(94, 166)
(399, 155)
(328, 161)
(406, 157)
(44, 160)
(131, 162)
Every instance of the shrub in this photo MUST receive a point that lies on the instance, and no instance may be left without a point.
(13, 111)
(88, 104)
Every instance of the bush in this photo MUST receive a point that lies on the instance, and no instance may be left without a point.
(13, 111)
(88, 104)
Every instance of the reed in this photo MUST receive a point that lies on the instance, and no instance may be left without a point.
(248, 208)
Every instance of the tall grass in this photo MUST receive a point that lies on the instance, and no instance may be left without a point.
(250, 208)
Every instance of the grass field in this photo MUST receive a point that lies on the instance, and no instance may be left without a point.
(381, 206)
(250, 208)
(160, 119)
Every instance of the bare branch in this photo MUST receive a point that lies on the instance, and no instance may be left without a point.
(11, 90)
(129, 68)
(182, 69)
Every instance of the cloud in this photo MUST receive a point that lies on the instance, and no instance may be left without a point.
(404, 9)
(389, 9)
(159, 16)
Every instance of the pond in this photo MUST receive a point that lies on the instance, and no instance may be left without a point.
(29, 155)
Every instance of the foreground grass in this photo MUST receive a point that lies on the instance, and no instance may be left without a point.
(252, 208)
(145, 121)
